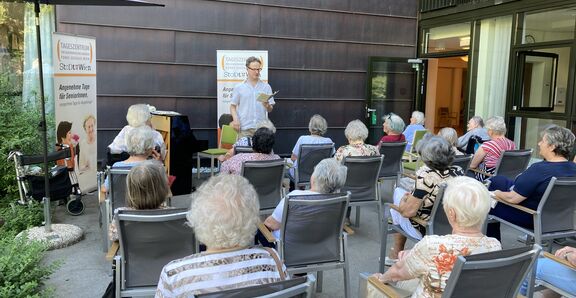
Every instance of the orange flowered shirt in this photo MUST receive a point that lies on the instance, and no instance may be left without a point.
(431, 260)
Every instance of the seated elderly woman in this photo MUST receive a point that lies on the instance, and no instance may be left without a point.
(416, 123)
(262, 143)
(246, 141)
(317, 128)
(527, 189)
(486, 158)
(392, 126)
(437, 156)
(556, 274)
(328, 177)
(356, 133)
(224, 216)
(146, 189)
(140, 146)
(450, 135)
(475, 128)
(137, 115)
(429, 264)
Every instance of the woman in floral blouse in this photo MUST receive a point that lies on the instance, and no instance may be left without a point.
(262, 143)
(356, 132)
(429, 264)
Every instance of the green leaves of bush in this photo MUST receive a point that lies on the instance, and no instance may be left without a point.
(20, 217)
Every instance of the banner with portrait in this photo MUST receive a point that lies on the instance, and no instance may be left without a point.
(74, 59)
(231, 70)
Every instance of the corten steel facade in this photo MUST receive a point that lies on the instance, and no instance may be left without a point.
(318, 52)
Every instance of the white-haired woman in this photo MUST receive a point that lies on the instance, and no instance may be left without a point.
(137, 115)
(224, 216)
(429, 264)
(356, 133)
(328, 177)
(437, 156)
(317, 128)
(392, 126)
(475, 127)
(146, 189)
(450, 135)
(487, 156)
(416, 123)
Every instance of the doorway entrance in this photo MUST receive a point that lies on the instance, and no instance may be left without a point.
(446, 88)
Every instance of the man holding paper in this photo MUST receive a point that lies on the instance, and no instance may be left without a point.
(251, 100)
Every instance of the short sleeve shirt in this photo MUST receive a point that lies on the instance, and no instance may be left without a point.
(356, 150)
(494, 148)
(279, 210)
(250, 110)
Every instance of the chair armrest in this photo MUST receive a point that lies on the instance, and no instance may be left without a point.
(112, 251)
(266, 233)
(519, 207)
(395, 207)
(385, 289)
(409, 175)
(559, 260)
(480, 172)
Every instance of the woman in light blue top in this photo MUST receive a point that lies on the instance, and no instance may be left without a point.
(317, 127)
(416, 123)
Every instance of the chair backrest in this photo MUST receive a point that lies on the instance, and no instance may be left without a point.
(150, 239)
(438, 222)
(25, 160)
(243, 149)
(557, 203)
(311, 229)
(392, 163)
(266, 177)
(513, 162)
(463, 161)
(228, 135)
(362, 177)
(308, 157)
(492, 274)
(118, 191)
(418, 135)
(295, 287)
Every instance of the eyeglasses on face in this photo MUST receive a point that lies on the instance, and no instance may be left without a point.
(254, 69)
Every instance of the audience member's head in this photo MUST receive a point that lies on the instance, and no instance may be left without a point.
(449, 134)
(147, 185)
(263, 141)
(417, 118)
(140, 141)
(266, 124)
(466, 201)
(317, 125)
(225, 119)
(435, 152)
(329, 176)
(224, 212)
(393, 124)
(561, 138)
(475, 122)
(496, 126)
(356, 131)
(138, 115)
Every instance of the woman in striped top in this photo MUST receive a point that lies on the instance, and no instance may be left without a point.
(487, 156)
(224, 216)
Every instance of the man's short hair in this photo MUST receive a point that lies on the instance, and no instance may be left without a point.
(252, 59)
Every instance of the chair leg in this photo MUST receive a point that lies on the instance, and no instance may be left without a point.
(531, 280)
(346, 280)
(357, 220)
(319, 278)
(198, 166)
(383, 240)
(212, 166)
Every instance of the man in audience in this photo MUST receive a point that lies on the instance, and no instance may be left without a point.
(416, 123)
(224, 216)
(475, 128)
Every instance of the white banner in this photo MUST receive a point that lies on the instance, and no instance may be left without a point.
(75, 102)
(231, 71)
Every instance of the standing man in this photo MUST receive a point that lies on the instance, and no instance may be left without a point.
(246, 110)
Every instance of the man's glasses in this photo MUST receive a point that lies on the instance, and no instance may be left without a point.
(254, 69)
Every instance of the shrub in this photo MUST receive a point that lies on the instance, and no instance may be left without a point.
(20, 217)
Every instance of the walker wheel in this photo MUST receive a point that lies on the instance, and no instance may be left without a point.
(75, 207)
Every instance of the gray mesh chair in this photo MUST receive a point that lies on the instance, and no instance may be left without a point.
(463, 161)
(362, 182)
(266, 177)
(510, 164)
(437, 224)
(149, 239)
(391, 166)
(115, 198)
(312, 237)
(309, 156)
(297, 287)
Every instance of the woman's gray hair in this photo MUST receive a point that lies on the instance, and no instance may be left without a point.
(449, 134)
(147, 185)
(329, 176)
(356, 131)
(478, 120)
(395, 123)
(140, 140)
(497, 125)
(138, 115)
(561, 138)
(224, 212)
(267, 124)
(317, 125)
(435, 152)
(419, 117)
(469, 199)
